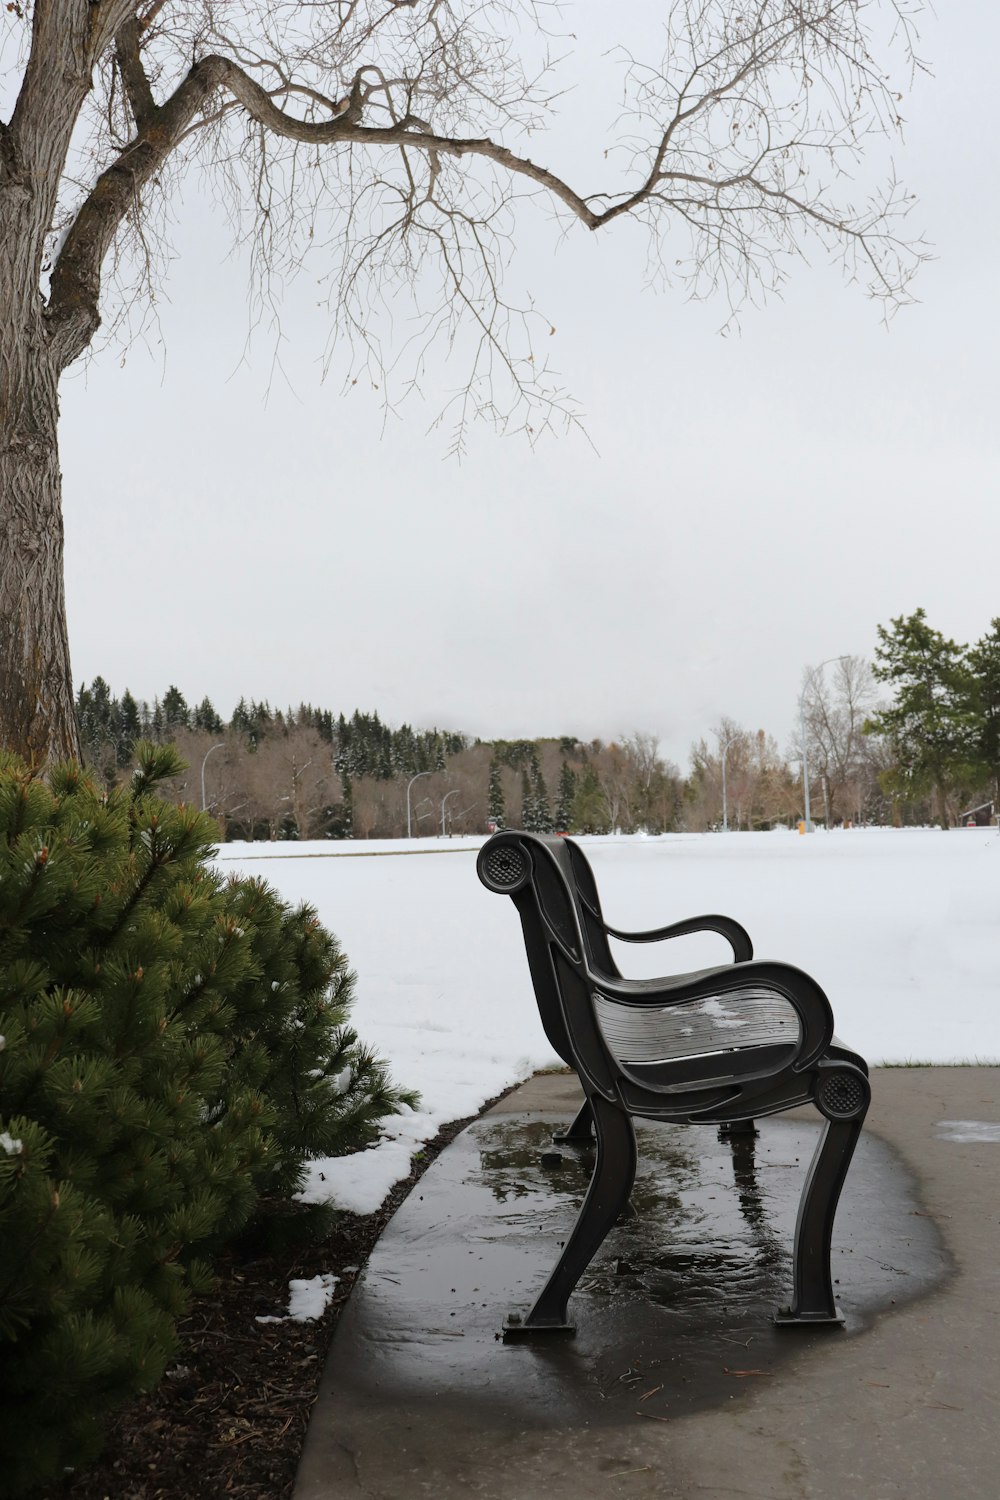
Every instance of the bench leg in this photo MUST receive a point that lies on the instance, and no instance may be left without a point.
(614, 1174)
(813, 1299)
(580, 1131)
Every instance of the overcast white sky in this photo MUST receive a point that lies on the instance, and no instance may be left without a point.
(746, 505)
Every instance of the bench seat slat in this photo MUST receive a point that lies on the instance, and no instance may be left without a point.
(713, 1024)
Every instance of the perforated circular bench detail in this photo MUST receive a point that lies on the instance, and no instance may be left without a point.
(505, 867)
(841, 1095)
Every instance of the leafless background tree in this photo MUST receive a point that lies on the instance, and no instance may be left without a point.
(836, 704)
(759, 785)
(391, 137)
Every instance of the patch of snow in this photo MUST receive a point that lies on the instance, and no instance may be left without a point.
(967, 1131)
(359, 1183)
(12, 1147)
(307, 1300)
(720, 1014)
(342, 1080)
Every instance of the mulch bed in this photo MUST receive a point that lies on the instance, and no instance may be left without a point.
(230, 1418)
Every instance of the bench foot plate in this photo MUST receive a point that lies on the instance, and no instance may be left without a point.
(785, 1318)
(517, 1331)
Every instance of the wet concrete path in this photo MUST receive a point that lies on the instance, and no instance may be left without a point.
(677, 1383)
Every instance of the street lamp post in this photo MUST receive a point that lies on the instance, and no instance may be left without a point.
(805, 758)
(453, 793)
(802, 734)
(409, 833)
(208, 752)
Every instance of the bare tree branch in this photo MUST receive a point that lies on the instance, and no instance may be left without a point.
(127, 51)
(728, 147)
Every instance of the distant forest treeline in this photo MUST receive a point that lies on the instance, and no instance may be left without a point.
(306, 772)
(930, 749)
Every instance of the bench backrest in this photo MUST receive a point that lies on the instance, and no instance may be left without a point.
(508, 865)
(534, 870)
(581, 893)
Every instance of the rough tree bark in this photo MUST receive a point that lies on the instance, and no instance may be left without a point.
(36, 696)
(36, 685)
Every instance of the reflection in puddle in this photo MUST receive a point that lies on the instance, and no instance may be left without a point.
(700, 1235)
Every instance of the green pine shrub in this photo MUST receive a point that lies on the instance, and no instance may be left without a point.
(173, 1048)
(327, 1091)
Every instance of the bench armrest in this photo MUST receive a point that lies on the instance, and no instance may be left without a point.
(737, 937)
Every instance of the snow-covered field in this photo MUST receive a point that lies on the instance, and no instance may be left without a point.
(900, 927)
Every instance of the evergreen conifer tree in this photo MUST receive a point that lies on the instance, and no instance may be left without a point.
(173, 1048)
(176, 714)
(104, 1080)
(931, 723)
(563, 816)
(347, 817)
(983, 661)
(540, 796)
(99, 717)
(496, 811)
(240, 722)
(341, 758)
(590, 807)
(527, 802)
(131, 728)
(93, 708)
(205, 717)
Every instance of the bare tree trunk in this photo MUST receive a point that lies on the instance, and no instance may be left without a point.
(37, 718)
(942, 791)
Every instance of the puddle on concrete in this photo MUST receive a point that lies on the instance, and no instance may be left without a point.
(674, 1313)
(968, 1131)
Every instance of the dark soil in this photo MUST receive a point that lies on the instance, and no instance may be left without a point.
(230, 1417)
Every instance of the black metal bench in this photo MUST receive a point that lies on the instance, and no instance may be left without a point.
(719, 1046)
